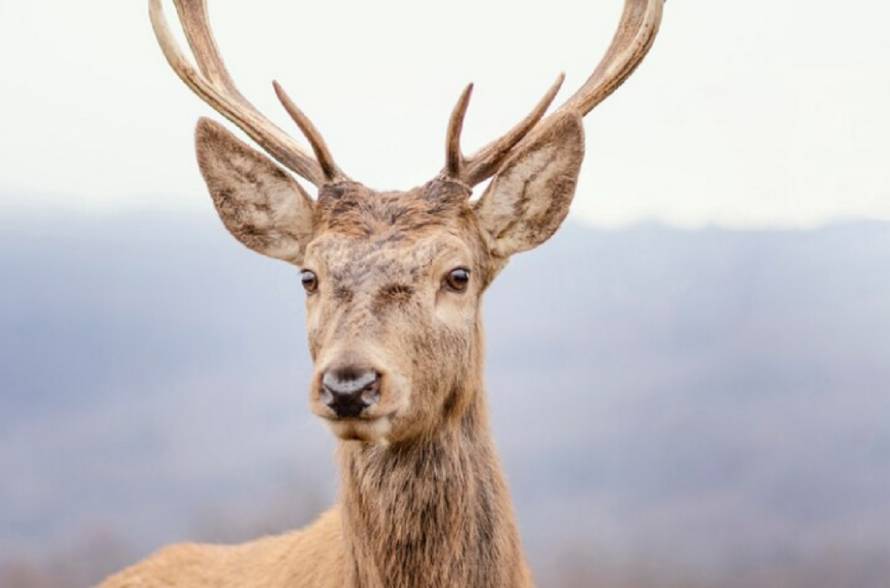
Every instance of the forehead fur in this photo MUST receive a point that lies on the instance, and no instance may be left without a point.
(351, 209)
(359, 229)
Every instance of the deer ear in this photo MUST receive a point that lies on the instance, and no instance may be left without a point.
(258, 202)
(529, 197)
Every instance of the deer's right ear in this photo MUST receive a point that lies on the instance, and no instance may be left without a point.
(530, 196)
(258, 202)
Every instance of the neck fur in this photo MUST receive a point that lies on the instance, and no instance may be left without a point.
(431, 512)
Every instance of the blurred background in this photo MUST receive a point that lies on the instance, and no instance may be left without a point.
(716, 311)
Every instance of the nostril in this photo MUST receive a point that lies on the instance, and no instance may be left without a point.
(348, 391)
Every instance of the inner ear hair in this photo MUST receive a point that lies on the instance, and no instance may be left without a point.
(259, 203)
(530, 196)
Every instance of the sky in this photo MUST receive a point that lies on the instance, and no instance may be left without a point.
(750, 114)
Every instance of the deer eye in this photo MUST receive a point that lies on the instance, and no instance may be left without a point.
(458, 279)
(309, 280)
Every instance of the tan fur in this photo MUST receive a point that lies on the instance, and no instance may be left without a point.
(260, 563)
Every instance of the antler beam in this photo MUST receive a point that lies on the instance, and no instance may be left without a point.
(634, 37)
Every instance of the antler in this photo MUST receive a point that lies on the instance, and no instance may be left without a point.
(633, 39)
(214, 85)
(486, 161)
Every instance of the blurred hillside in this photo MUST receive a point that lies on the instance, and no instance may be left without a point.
(674, 408)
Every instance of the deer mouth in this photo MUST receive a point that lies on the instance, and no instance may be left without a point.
(360, 419)
(363, 428)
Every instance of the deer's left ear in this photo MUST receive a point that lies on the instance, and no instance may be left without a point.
(530, 196)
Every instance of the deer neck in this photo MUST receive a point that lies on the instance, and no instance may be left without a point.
(431, 512)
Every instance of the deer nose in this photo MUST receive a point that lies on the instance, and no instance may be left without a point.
(349, 390)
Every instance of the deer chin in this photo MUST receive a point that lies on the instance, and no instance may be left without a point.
(373, 430)
(375, 424)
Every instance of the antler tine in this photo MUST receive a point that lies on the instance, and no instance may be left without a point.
(454, 158)
(632, 41)
(214, 85)
(322, 153)
(484, 162)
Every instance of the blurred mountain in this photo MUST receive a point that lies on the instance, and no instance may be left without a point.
(711, 400)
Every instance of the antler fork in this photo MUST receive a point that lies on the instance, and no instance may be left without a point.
(215, 86)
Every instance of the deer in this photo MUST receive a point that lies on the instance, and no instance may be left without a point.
(394, 282)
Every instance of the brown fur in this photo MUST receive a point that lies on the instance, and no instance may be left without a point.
(423, 499)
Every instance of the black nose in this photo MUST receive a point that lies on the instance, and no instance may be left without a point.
(348, 391)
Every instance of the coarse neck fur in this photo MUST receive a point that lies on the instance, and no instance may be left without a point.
(432, 511)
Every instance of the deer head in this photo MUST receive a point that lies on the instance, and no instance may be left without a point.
(393, 280)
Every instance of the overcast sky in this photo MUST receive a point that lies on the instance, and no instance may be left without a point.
(746, 113)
